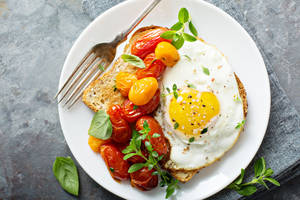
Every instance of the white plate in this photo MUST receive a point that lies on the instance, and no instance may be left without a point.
(215, 27)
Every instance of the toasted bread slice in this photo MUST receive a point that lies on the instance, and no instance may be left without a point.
(100, 94)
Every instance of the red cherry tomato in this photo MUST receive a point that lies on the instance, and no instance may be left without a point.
(121, 129)
(154, 68)
(143, 179)
(131, 113)
(159, 144)
(113, 158)
(147, 43)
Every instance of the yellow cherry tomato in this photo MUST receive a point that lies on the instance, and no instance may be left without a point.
(142, 91)
(167, 53)
(124, 81)
(96, 143)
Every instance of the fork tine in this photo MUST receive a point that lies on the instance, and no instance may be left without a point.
(78, 77)
(86, 79)
(73, 73)
(96, 76)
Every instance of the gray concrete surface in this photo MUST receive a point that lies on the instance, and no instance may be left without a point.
(35, 37)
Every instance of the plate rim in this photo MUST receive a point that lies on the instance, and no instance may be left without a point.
(204, 3)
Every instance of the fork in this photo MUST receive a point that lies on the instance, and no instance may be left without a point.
(94, 63)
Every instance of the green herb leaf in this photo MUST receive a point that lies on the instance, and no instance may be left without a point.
(156, 135)
(168, 35)
(263, 183)
(112, 169)
(160, 157)
(154, 173)
(135, 107)
(148, 146)
(178, 41)
(188, 58)
(204, 130)
(188, 37)
(247, 190)
(240, 124)
(176, 125)
(271, 180)
(268, 172)
(127, 156)
(133, 60)
(193, 29)
(168, 89)
(205, 70)
(171, 188)
(239, 180)
(191, 86)
(177, 26)
(101, 67)
(135, 167)
(183, 15)
(174, 87)
(66, 173)
(154, 154)
(115, 88)
(101, 126)
(259, 167)
(192, 139)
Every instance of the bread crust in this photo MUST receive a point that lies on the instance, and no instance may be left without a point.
(100, 95)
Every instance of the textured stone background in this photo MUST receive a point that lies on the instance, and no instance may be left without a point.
(35, 37)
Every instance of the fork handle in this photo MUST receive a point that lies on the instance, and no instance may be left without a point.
(123, 36)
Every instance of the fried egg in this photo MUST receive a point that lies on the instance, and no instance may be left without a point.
(201, 107)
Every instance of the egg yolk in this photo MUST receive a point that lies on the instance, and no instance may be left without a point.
(193, 110)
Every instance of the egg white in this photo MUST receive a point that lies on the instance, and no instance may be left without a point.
(222, 132)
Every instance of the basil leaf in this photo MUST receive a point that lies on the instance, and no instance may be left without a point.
(66, 173)
(188, 37)
(183, 15)
(193, 29)
(259, 167)
(155, 135)
(271, 180)
(174, 87)
(240, 178)
(205, 70)
(128, 156)
(133, 60)
(247, 190)
(135, 167)
(101, 126)
(168, 34)
(178, 41)
(177, 26)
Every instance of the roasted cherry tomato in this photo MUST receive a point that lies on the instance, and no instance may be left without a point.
(159, 144)
(143, 179)
(124, 81)
(154, 67)
(121, 129)
(147, 43)
(113, 158)
(131, 113)
(96, 143)
(142, 91)
(167, 53)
